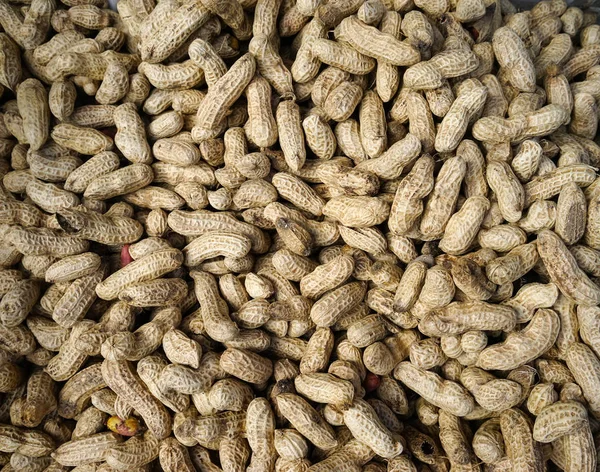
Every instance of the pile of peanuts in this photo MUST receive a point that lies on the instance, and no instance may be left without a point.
(299, 236)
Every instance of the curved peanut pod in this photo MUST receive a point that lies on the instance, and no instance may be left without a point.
(271, 66)
(420, 120)
(306, 66)
(513, 56)
(298, 192)
(443, 65)
(348, 458)
(557, 51)
(422, 76)
(93, 116)
(342, 55)
(185, 380)
(179, 75)
(261, 127)
(11, 376)
(306, 420)
(531, 297)
(144, 269)
(463, 226)
(174, 456)
(440, 206)
(149, 369)
(210, 430)
(24, 214)
(260, 428)
(265, 17)
(215, 312)
(581, 61)
(526, 162)
(373, 125)
(587, 258)
(81, 139)
(77, 299)
(177, 152)
(444, 394)
(387, 75)
(550, 184)
(49, 197)
(86, 450)
(17, 340)
(105, 185)
(145, 340)
(491, 393)
(488, 443)
(180, 349)
(75, 395)
(408, 206)
(371, 42)
(284, 289)
(327, 276)
(246, 365)
(115, 84)
(585, 367)
(174, 32)
(131, 134)
(122, 379)
(497, 130)
(203, 221)
(221, 96)
(390, 164)
(334, 304)
(18, 302)
(564, 270)
(26, 441)
(559, 419)
(359, 212)
(290, 444)
(325, 388)
(291, 134)
(100, 228)
(294, 308)
(454, 125)
(135, 452)
(10, 63)
(216, 244)
(515, 264)
(347, 135)
(501, 238)
(362, 420)
(511, 197)
(22, 462)
(155, 293)
(459, 317)
(36, 24)
(523, 346)
(20, 213)
(544, 121)
(73, 267)
(575, 451)
(32, 100)
(50, 335)
(456, 443)
(410, 286)
(524, 453)
(69, 359)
